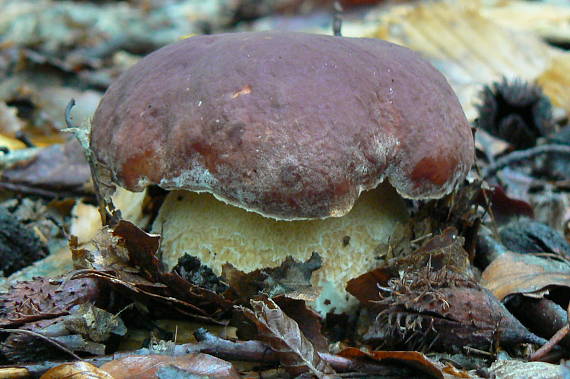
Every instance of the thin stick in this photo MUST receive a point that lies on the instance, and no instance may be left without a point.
(16, 156)
(521, 155)
(23, 137)
(472, 350)
(256, 351)
(45, 338)
(554, 340)
(68, 109)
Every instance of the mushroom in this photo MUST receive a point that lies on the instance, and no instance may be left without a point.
(277, 144)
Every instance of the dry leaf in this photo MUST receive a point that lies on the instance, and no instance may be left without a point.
(308, 320)
(55, 171)
(76, 370)
(49, 308)
(408, 358)
(94, 323)
(148, 366)
(126, 258)
(549, 20)
(524, 273)
(514, 369)
(296, 353)
(468, 48)
(555, 81)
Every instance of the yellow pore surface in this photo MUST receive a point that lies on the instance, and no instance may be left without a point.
(217, 233)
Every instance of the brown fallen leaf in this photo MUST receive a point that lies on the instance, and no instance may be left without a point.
(56, 171)
(409, 358)
(127, 258)
(95, 323)
(296, 353)
(76, 370)
(143, 250)
(308, 320)
(513, 273)
(151, 366)
(457, 38)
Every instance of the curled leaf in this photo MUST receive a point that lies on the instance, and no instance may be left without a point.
(408, 358)
(513, 273)
(296, 353)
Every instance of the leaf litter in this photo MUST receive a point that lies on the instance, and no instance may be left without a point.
(458, 277)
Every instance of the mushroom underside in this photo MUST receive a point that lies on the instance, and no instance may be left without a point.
(216, 233)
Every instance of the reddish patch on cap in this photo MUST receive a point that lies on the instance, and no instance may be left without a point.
(209, 155)
(139, 166)
(437, 170)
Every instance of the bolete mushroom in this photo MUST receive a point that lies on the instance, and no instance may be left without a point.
(277, 144)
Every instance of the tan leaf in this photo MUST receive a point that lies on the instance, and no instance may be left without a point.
(524, 273)
(149, 366)
(76, 370)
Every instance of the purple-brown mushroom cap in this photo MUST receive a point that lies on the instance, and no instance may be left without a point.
(289, 125)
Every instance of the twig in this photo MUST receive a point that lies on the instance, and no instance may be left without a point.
(45, 338)
(472, 350)
(554, 340)
(23, 137)
(225, 349)
(34, 190)
(257, 351)
(521, 155)
(16, 156)
(68, 108)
